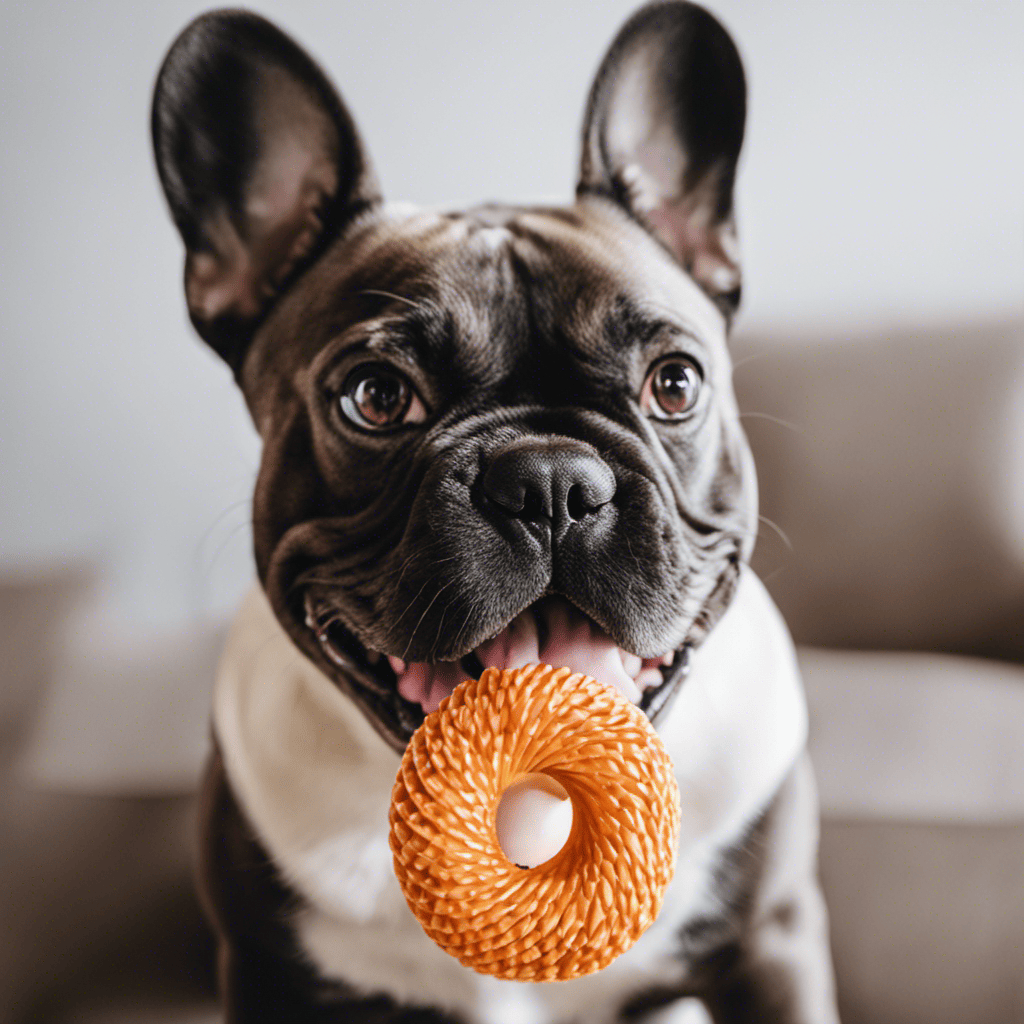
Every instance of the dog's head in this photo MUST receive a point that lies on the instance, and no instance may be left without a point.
(494, 436)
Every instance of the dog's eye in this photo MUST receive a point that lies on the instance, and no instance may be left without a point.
(671, 388)
(376, 397)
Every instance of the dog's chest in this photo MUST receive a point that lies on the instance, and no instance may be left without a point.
(315, 782)
(367, 936)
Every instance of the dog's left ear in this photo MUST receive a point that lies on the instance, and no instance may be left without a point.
(662, 135)
(261, 164)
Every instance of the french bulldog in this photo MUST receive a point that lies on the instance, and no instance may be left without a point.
(490, 437)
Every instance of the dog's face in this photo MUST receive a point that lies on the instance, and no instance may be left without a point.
(490, 437)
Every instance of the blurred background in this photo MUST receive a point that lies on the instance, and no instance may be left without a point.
(879, 363)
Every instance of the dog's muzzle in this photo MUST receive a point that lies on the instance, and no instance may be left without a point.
(532, 491)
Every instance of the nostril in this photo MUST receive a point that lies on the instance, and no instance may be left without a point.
(533, 507)
(575, 503)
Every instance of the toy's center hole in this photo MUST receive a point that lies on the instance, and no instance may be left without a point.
(534, 819)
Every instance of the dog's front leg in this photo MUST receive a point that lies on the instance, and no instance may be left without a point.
(780, 970)
(260, 976)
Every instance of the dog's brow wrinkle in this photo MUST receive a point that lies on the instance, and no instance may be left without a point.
(673, 319)
(627, 323)
(418, 334)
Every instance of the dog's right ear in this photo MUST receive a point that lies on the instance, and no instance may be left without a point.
(261, 164)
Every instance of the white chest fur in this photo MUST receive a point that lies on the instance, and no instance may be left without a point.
(315, 782)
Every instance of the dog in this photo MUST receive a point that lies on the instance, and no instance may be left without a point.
(489, 437)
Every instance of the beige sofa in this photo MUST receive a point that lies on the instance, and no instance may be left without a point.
(892, 471)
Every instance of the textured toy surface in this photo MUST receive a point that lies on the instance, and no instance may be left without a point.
(575, 913)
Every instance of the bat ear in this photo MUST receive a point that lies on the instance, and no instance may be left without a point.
(662, 136)
(261, 165)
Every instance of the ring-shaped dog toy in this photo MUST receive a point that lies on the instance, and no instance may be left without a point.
(576, 912)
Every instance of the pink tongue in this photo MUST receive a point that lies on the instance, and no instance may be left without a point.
(572, 639)
(425, 683)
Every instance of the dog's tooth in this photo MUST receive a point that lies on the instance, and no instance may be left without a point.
(668, 657)
(649, 677)
(332, 652)
(490, 653)
(631, 663)
(397, 665)
(523, 642)
(311, 616)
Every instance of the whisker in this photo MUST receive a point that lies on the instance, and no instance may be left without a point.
(412, 635)
(332, 580)
(412, 602)
(778, 529)
(408, 562)
(221, 516)
(423, 305)
(772, 419)
(405, 565)
(440, 624)
(466, 619)
(750, 358)
(636, 560)
(223, 546)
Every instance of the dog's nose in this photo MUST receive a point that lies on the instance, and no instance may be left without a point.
(554, 478)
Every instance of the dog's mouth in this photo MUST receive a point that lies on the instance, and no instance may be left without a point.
(399, 694)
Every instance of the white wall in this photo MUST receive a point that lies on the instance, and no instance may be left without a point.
(882, 180)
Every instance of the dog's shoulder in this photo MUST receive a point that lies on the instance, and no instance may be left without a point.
(237, 884)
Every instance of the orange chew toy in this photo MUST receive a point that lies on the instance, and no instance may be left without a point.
(575, 913)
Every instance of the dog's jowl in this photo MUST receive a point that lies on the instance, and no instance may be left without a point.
(490, 437)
